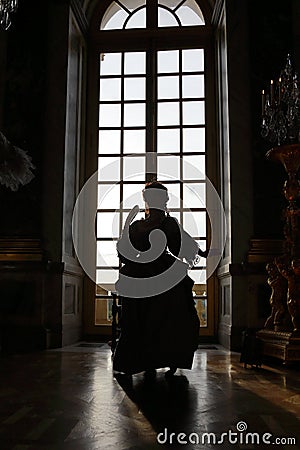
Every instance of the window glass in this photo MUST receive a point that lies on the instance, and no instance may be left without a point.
(110, 89)
(168, 87)
(110, 115)
(168, 168)
(199, 277)
(190, 15)
(168, 140)
(110, 64)
(137, 20)
(193, 139)
(109, 141)
(108, 277)
(166, 18)
(193, 113)
(134, 114)
(194, 195)
(132, 14)
(114, 17)
(174, 195)
(132, 195)
(168, 61)
(107, 254)
(193, 86)
(134, 89)
(108, 225)
(108, 196)
(134, 168)
(193, 167)
(108, 169)
(134, 63)
(193, 60)
(168, 113)
(134, 141)
(195, 223)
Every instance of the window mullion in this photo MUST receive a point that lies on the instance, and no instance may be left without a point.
(152, 14)
(151, 115)
(181, 135)
(122, 143)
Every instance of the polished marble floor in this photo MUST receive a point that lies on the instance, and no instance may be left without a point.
(68, 399)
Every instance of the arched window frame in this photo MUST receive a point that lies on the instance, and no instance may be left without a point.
(199, 36)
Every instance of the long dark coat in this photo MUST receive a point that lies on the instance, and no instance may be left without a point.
(161, 330)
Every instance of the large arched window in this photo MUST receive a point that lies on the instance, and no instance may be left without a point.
(154, 120)
(133, 14)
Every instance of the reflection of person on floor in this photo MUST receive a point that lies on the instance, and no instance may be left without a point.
(162, 329)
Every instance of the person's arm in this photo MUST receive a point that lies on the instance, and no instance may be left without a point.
(125, 250)
(180, 243)
(203, 253)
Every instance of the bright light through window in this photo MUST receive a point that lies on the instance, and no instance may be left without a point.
(165, 118)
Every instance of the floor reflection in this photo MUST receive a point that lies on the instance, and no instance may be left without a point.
(69, 400)
(166, 403)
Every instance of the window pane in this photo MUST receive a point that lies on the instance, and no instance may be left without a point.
(194, 195)
(168, 140)
(139, 216)
(193, 113)
(110, 115)
(174, 195)
(194, 167)
(166, 19)
(135, 63)
(193, 139)
(134, 115)
(168, 87)
(168, 168)
(110, 89)
(168, 113)
(134, 89)
(134, 141)
(202, 244)
(168, 61)
(195, 223)
(176, 215)
(134, 168)
(108, 169)
(190, 16)
(110, 64)
(107, 254)
(193, 60)
(199, 277)
(193, 86)
(109, 141)
(108, 224)
(132, 195)
(113, 18)
(137, 20)
(108, 277)
(109, 196)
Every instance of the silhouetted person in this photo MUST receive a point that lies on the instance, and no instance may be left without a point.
(159, 324)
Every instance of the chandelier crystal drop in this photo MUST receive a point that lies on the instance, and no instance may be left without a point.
(7, 7)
